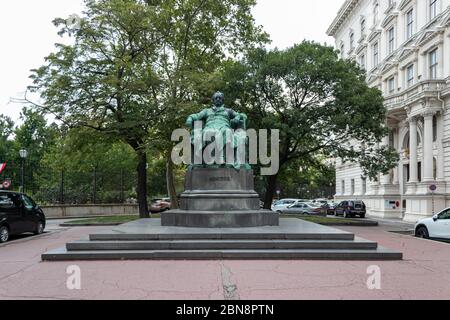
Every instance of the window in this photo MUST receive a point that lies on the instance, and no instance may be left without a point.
(409, 23)
(434, 168)
(433, 64)
(9, 201)
(342, 51)
(445, 215)
(353, 186)
(343, 186)
(362, 61)
(410, 75)
(375, 54)
(391, 85)
(364, 185)
(391, 138)
(363, 26)
(28, 203)
(352, 40)
(433, 9)
(391, 40)
(435, 125)
(6, 202)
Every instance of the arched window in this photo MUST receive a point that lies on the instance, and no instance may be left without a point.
(352, 40)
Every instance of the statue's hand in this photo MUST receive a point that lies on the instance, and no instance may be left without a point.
(235, 122)
(189, 122)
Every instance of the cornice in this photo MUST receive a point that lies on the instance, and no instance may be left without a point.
(342, 15)
(389, 18)
(405, 3)
(374, 34)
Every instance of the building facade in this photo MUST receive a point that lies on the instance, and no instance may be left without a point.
(404, 45)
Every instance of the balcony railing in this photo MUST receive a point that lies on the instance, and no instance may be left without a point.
(426, 88)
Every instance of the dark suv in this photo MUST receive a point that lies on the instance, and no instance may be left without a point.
(19, 214)
(351, 208)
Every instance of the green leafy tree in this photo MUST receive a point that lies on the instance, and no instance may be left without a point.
(130, 71)
(6, 132)
(320, 103)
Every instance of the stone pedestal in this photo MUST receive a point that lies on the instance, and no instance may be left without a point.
(219, 198)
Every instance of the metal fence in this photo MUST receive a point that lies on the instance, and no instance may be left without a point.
(49, 186)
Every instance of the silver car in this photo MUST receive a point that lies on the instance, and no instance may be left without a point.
(302, 208)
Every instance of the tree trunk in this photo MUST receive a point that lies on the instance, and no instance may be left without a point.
(171, 185)
(270, 191)
(142, 184)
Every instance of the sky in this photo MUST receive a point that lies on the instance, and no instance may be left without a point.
(27, 34)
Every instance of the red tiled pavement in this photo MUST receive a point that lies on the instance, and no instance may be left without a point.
(423, 274)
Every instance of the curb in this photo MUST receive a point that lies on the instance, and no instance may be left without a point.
(90, 224)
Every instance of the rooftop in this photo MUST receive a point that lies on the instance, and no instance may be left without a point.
(342, 15)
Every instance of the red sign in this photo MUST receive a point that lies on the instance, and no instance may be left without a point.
(2, 167)
(6, 184)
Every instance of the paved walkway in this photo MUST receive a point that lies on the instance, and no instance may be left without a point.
(424, 274)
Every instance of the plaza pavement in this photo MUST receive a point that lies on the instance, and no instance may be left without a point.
(423, 274)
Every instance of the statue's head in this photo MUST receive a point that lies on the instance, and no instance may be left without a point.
(218, 99)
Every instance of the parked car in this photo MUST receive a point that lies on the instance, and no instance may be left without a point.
(320, 202)
(302, 208)
(351, 208)
(282, 204)
(331, 207)
(19, 214)
(160, 205)
(437, 227)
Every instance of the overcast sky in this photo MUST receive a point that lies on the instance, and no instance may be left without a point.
(27, 34)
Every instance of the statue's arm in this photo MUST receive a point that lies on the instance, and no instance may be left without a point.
(196, 117)
(237, 118)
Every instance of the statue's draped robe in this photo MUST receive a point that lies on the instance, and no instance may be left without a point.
(219, 122)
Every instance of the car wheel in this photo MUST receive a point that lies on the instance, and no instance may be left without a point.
(422, 232)
(39, 228)
(4, 234)
(362, 216)
(279, 212)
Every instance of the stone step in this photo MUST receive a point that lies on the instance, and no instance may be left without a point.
(118, 236)
(220, 245)
(303, 254)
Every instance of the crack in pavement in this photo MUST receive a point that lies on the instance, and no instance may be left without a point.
(229, 288)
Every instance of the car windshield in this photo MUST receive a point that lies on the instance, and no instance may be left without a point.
(28, 202)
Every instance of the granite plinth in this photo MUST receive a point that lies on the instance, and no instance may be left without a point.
(146, 239)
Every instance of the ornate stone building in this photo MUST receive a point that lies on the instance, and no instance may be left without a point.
(405, 47)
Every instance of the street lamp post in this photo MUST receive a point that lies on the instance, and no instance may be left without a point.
(23, 155)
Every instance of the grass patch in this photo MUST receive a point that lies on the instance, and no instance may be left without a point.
(328, 221)
(107, 220)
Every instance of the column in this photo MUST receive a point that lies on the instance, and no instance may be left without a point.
(413, 176)
(395, 177)
(428, 146)
(440, 159)
(386, 178)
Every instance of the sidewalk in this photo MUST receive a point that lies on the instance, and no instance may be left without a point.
(423, 274)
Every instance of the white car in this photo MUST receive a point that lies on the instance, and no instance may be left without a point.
(282, 204)
(437, 227)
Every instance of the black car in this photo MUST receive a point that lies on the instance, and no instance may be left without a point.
(19, 214)
(351, 208)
